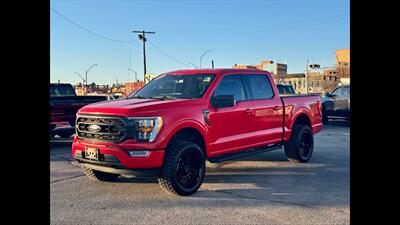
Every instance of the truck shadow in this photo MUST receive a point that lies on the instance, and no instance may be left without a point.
(337, 123)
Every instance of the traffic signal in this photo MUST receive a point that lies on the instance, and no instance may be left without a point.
(315, 66)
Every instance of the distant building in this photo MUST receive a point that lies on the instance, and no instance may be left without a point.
(133, 86)
(149, 77)
(343, 62)
(278, 70)
(297, 80)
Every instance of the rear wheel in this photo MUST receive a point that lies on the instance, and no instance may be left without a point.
(184, 168)
(96, 175)
(300, 146)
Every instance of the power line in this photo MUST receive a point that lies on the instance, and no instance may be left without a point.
(297, 24)
(176, 60)
(87, 30)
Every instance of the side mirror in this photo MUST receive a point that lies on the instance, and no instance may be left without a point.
(223, 101)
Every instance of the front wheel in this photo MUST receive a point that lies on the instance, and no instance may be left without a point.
(300, 146)
(184, 168)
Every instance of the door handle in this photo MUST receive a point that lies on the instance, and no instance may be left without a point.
(277, 107)
(249, 111)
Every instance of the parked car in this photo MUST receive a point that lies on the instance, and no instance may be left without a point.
(182, 118)
(286, 89)
(64, 104)
(336, 104)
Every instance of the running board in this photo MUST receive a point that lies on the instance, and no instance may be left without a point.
(244, 153)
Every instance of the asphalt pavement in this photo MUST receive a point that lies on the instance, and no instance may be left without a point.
(261, 189)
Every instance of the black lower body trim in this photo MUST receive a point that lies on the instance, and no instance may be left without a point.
(110, 164)
(243, 153)
(132, 172)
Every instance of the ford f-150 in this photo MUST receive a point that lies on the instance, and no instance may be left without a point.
(179, 120)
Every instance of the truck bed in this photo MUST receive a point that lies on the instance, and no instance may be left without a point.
(309, 104)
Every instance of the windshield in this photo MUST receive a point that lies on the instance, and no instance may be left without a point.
(176, 86)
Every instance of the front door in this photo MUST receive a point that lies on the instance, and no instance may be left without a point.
(230, 127)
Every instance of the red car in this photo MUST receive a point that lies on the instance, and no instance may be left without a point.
(182, 118)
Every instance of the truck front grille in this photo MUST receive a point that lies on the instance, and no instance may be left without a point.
(109, 129)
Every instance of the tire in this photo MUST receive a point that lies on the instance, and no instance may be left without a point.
(300, 146)
(96, 175)
(184, 168)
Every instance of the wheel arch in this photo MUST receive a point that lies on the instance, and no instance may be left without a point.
(188, 130)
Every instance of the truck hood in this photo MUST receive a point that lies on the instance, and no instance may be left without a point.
(134, 107)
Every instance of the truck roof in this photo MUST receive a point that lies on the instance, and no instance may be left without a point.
(219, 70)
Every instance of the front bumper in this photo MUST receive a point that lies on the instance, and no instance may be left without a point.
(117, 157)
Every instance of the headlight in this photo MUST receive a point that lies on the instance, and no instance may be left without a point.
(146, 128)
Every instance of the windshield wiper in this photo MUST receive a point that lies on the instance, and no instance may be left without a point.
(165, 97)
(138, 96)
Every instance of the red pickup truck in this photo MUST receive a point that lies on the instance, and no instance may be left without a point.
(182, 118)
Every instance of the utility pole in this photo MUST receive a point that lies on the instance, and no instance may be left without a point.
(212, 64)
(142, 36)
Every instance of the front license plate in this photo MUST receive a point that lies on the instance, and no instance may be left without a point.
(92, 153)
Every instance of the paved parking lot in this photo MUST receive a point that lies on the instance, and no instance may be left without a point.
(261, 189)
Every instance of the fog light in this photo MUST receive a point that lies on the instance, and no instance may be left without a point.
(140, 153)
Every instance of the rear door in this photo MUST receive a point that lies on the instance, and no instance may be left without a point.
(345, 100)
(230, 127)
(268, 111)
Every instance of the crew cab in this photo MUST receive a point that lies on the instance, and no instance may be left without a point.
(179, 120)
(64, 104)
(336, 104)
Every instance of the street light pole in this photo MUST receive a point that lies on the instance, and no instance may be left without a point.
(135, 74)
(83, 79)
(307, 75)
(86, 72)
(201, 57)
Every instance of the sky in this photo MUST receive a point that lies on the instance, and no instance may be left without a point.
(83, 33)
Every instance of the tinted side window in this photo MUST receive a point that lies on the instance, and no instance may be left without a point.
(231, 85)
(346, 91)
(259, 86)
